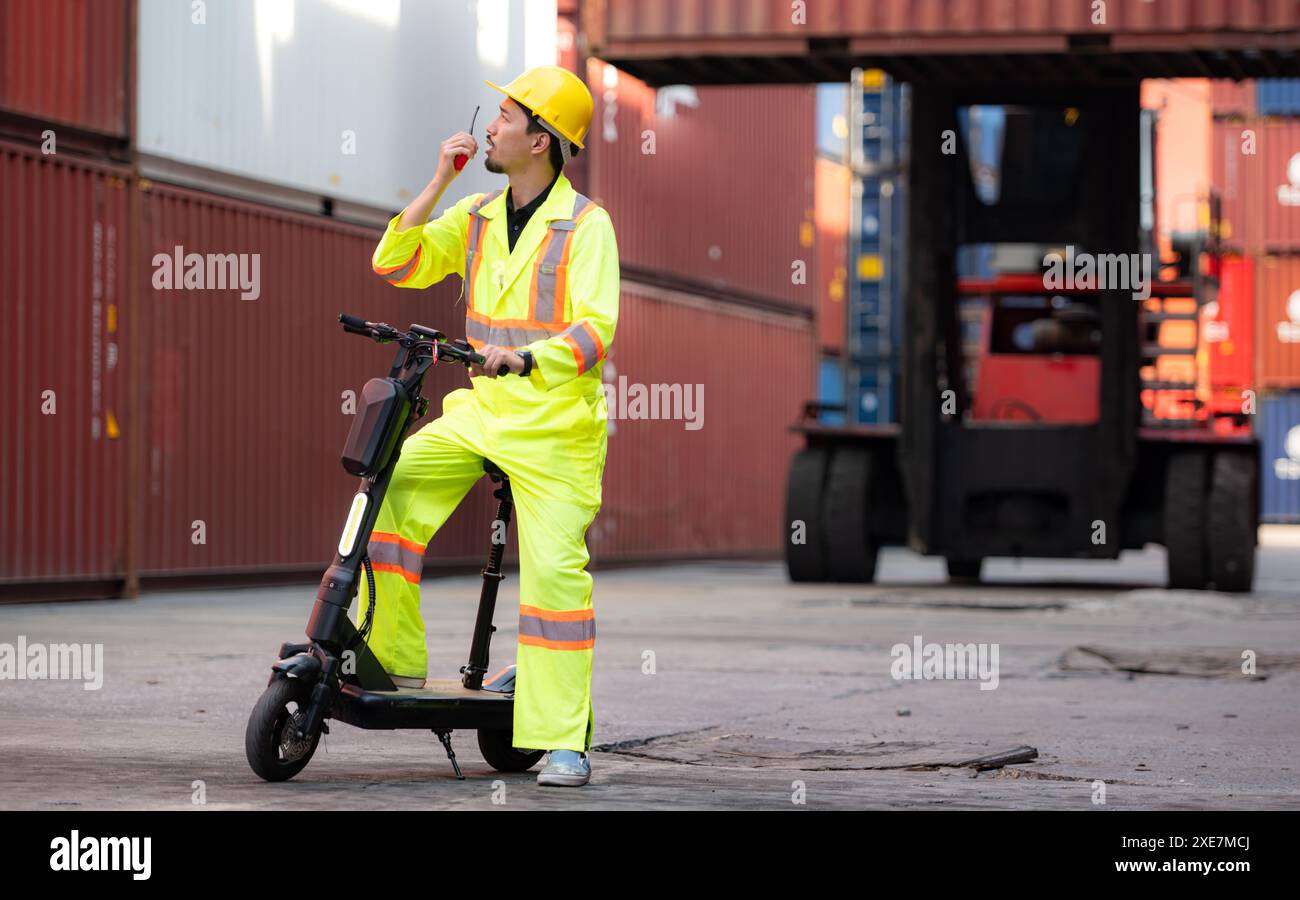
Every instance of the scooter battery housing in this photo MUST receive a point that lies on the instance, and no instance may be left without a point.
(376, 427)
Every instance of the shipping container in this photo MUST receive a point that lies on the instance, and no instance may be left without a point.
(1232, 99)
(831, 382)
(1278, 427)
(63, 453)
(68, 62)
(711, 190)
(687, 40)
(1228, 333)
(834, 183)
(1277, 318)
(347, 99)
(1257, 172)
(696, 484)
(243, 393)
(1277, 97)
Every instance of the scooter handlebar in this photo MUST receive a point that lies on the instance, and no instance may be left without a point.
(461, 352)
(458, 351)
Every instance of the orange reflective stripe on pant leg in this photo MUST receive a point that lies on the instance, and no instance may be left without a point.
(393, 553)
(570, 629)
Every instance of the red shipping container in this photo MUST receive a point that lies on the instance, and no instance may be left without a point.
(1237, 174)
(1229, 333)
(707, 482)
(63, 454)
(68, 61)
(1232, 98)
(1228, 346)
(1277, 303)
(710, 189)
(1279, 157)
(1256, 165)
(242, 401)
(979, 22)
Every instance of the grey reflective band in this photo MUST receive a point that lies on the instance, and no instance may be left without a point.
(393, 554)
(398, 274)
(548, 629)
(475, 229)
(505, 337)
(550, 308)
(582, 337)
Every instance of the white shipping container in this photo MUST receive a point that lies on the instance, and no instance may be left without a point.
(347, 99)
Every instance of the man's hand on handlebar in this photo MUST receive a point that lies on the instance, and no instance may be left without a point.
(494, 358)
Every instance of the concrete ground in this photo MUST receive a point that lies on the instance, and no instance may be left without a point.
(722, 685)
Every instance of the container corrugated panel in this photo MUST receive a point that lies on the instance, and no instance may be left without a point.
(1238, 177)
(711, 184)
(1230, 333)
(1279, 159)
(1232, 98)
(672, 489)
(67, 61)
(1277, 331)
(1278, 427)
(346, 99)
(834, 182)
(242, 401)
(970, 19)
(63, 240)
(1278, 97)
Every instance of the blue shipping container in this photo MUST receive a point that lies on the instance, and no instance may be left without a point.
(1277, 96)
(830, 389)
(877, 253)
(1278, 427)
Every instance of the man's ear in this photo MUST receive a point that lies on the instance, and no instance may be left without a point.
(545, 146)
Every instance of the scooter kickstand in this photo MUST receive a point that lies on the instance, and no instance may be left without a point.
(445, 737)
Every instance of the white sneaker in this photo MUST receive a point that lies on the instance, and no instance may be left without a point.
(565, 768)
(406, 682)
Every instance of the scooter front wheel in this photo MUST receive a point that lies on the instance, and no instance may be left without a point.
(495, 745)
(273, 751)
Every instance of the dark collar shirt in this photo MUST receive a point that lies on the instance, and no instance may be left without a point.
(516, 219)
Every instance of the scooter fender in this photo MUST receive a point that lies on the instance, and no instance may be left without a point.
(304, 666)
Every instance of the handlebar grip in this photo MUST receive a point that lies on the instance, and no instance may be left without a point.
(479, 358)
(352, 323)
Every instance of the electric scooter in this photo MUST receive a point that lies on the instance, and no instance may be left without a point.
(334, 675)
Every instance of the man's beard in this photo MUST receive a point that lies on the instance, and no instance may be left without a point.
(492, 166)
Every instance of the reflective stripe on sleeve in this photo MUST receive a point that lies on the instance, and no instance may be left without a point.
(400, 272)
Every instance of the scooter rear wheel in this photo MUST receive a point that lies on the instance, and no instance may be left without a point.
(273, 752)
(495, 745)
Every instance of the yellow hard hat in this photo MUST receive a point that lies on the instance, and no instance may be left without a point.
(557, 96)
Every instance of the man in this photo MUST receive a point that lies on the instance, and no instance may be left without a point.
(540, 274)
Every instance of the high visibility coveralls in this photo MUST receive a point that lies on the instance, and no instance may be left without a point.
(557, 296)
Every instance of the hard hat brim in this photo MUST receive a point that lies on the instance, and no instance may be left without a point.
(575, 143)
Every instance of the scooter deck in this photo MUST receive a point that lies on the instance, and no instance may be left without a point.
(442, 704)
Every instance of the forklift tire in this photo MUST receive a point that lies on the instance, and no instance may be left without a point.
(1230, 522)
(964, 569)
(850, 546)
(805, 489)
(1184, 520)
(495, 745)
(272, 754)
